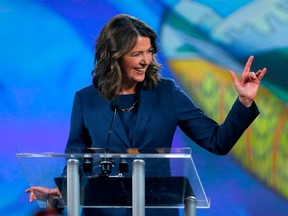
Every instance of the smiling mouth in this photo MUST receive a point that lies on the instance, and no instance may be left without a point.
(140, 70)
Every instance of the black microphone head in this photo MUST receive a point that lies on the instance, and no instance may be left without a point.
(115, 105)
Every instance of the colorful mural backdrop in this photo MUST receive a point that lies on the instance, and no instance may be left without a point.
(207, 44)
(47, 50)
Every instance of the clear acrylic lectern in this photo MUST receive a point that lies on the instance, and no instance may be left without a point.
(134, 178)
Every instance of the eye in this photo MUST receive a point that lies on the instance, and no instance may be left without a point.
(136, 54)
(152, 51)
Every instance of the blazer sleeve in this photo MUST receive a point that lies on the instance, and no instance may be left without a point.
(79, 138)
(204, 131)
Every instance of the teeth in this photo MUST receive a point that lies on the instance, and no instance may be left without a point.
(140, 70)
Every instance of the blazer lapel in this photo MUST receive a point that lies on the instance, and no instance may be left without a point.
(146, 101)
(117, 126)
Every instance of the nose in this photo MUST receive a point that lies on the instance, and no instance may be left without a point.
(146, 59)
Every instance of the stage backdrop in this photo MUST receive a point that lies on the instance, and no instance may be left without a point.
(47, 50)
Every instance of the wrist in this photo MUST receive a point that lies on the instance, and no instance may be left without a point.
(54, 192)
(245, 101)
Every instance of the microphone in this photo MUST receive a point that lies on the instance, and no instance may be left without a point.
(114, 106)
(106, 165)
(123, 165)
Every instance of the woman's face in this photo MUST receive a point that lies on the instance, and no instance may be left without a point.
(135, 63)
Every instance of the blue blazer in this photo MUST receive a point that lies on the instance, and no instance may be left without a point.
(159, 113)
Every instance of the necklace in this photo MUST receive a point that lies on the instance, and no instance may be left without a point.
(134, 105)
(130, 108)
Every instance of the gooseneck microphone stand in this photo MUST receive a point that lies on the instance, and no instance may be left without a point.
(106, 164)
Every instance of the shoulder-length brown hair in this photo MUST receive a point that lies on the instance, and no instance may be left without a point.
(116, 39)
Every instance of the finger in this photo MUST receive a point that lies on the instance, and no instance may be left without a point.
(258, 73)
(248, 66)
(28, 190)
(32, 197)
(252, 76)
(262, 74)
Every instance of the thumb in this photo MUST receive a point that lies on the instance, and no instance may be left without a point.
(234, 78)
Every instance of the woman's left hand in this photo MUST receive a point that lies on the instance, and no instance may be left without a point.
(247, 86)
(41, 193)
